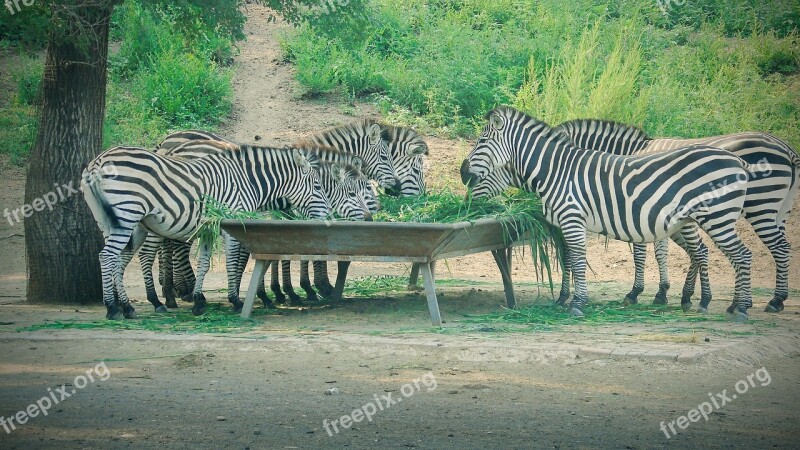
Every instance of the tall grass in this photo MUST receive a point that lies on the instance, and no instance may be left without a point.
(705, 67)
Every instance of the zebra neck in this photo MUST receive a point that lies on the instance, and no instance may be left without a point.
(538, 157)
(267, 171)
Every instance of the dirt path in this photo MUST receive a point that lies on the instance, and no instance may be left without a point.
(476, 386)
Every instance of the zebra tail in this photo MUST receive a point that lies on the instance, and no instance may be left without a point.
(101, 209)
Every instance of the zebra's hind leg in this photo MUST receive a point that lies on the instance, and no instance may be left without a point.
(305, 282)
(114, 296)
(166, 271)
(725, 237)
(233, 249)
(147, 255)
(321, 280)
(780, 249)
(639, 258)
(275, 285)
(662, 253)
(688, 238)
(288, 288)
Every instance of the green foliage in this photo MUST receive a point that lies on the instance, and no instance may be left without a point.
(18, 119)
(27, 27)
(698, 68)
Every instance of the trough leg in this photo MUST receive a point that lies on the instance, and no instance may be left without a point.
(258, 274)
(343, 267)
(430, 290)
(414, 277)
(504, 264)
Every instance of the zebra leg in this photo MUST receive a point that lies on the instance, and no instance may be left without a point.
(182, 272)
(167, 271)
(321, 280)
(275, 285)
(662, 252)
(566, 280)
(575, 238)
(147, 256)
(203, 264)
(244, 256)
(639, 259)
(725, 237)
(688, 238)
(233, 249)
(288, 289)
(111, 270)
(781, 250)
(305, 282)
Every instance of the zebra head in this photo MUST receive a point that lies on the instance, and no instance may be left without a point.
(407, 149)
(496, 182)
(304, 190)
(378, 163)
(494, 147)
(343, 183)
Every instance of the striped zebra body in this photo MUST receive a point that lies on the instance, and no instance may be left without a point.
(631, 198)
(407, 150)
(771, 189)
(167, 194)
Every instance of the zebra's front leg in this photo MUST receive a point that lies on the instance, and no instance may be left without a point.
(182, 272)
(275, 285)
(566, 280)
(288, 288)
(166, 271)
(305, 282)
(662, 258)
(321, 280)
(639, 259)
(232, 264)
(575, 238)
(203, 264)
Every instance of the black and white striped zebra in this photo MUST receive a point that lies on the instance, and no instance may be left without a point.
(771, 191)
(407, 150)
(630, 198)
(167, 195)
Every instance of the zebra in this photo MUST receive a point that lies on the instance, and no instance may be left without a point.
(167, 195)
(587, 190)
(341, 180)
(770, 194)
(505, 176)
(407, 150)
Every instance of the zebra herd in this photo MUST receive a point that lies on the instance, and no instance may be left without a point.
(591, 175)
(612, 179)
(155, 200)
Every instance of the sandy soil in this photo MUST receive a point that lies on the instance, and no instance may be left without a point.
(581, 387)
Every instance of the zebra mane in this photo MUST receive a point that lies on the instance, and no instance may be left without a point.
(357, 128)
(324, 152)
(582, 126)
(545, 129)
(391, 133)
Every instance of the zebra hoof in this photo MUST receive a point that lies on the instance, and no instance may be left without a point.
(198, 309)
(187, 298)
(130, 313)
(687, 306)
(773, 308)
(312, 297)
(113, 313)
(269, 305)
(738, 316)
(415, 288)
(659, 300)
(325, 289)
(161, 309)
(237, 306)
(629, 301)
(701, 310)
(171, 303)
(575, 312)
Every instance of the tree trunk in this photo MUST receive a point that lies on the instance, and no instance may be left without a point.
(63, 241)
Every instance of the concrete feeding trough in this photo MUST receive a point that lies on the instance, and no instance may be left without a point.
(344, 242)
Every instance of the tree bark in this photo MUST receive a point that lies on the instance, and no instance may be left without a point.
(63, 242)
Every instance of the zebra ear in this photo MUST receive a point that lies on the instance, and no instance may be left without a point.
(357, 163)
(496, 121)
(301, 160)
(420, 149)
(374, 132)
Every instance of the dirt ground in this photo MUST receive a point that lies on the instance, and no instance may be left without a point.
(480, 386)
